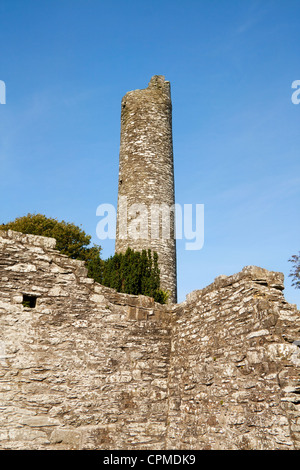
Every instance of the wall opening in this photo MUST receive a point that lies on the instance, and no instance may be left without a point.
(29, 301)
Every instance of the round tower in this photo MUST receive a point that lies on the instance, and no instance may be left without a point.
(145, 214)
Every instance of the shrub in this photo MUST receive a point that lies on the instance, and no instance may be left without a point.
(134, 272)
(71, 240)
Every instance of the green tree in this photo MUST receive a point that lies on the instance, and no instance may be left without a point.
(134, 273)
(71, 240)
(295, 272)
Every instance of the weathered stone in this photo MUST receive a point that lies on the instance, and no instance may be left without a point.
(39, 421)
(22, 268)
(97, 298)
(146, 150)
(89, 368)
(68, 438)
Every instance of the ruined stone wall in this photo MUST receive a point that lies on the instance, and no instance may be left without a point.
(89, 368)
(234, 378)
(146, 176)
(85, 368)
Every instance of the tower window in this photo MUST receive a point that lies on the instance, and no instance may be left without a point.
(29, 301)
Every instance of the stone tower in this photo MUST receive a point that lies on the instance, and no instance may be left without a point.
(145, 215)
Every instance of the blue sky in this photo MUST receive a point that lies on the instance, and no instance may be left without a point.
(66, 65)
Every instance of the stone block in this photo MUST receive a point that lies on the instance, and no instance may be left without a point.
(70, 438)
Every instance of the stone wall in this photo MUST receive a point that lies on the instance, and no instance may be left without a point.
(85, 368)
(234, 374)
(89, 368)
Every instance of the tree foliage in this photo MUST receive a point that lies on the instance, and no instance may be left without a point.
(71, 240)
(295, 272)
(132, 272)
